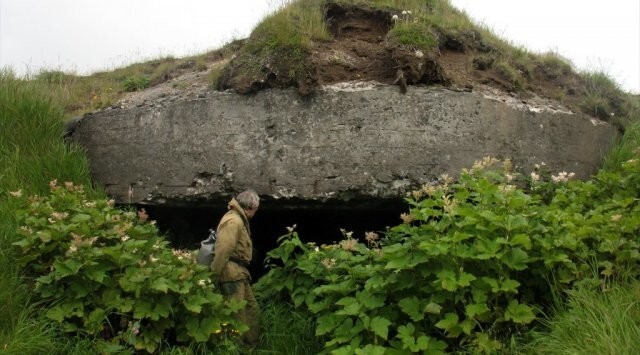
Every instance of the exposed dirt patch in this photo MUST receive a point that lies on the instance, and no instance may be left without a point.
(358, 51)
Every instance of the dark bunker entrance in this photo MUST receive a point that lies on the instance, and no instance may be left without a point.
(186, 225)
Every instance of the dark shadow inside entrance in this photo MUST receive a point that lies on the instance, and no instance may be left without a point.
(316, 222)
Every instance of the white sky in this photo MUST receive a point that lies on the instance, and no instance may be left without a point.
(86, 36)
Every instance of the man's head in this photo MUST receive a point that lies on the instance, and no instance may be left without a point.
(249, 201)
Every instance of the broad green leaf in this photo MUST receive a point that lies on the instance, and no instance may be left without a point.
(160, 284)
(422, 343)
(371, 349)
(515, 222)
(435, 347)
(44, 236)
(486, 344)
(405, 331)
(23, 243)
(486, 249)
(519, 313)
(163, 306)
(327, 323)
(380, 326)
(399, 262)
(432, 308)
(476, 309)
(449, 323)
(521, 239)
(509, 285)
(66, 268)
(369, 300)
(352, 309)
(480, 293)
(321, 305)
(80, 288)
(57, 313)
(516, 259)
(375, 282)
(194, 303)
(97, 272)
(447, 280)
(344, 350)
(201, 329)
(460, 236)
(346, 301)
(411, 306)
(465, 279)
(467, 325)
(143, 309)
(95, 319)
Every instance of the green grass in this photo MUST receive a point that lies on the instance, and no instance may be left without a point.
(287, 331)
(593, 321)
(625, 148)
(32, 153)
(413, 35)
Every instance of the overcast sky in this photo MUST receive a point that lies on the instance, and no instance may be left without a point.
(86, 36)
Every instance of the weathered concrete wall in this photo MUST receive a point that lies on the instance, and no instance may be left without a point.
(373, 142)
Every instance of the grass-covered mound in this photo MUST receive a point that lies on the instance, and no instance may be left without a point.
(308, 43)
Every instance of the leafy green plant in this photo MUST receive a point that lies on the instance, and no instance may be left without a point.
(470, 266)
(109, 274)
(136, 83)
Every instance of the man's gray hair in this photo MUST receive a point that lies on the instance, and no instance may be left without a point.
(248, 199)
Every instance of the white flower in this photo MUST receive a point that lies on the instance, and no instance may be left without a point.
(16, 193)
(419, 53)
(292, 228)
(394, 18)
(404, 12)
(202, 283)
(124, 238)
(535, 177)
(152, 258)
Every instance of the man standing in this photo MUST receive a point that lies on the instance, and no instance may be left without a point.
(233, 253)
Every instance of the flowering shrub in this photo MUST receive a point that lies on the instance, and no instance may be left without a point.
(470, 264)
(109, 274)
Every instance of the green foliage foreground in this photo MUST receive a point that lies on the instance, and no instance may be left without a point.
(112, 276)
(472, 264)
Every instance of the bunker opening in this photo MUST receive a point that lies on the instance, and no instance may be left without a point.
(185, 226)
